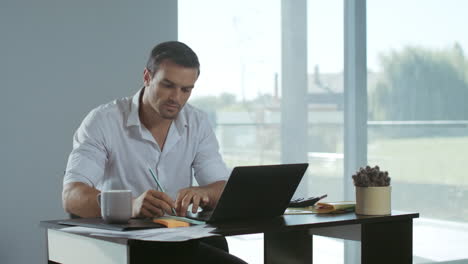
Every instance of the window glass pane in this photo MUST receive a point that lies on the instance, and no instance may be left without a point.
(239, 46)
(325, 81)
(418, 117)
(239, 50)
(325, 128)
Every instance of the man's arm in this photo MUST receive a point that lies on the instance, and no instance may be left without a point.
(80, 199)
(204, 196)
(209, 170)
(85, 167)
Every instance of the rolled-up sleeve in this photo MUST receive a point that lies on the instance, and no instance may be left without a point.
(208, 164)
(88, 158)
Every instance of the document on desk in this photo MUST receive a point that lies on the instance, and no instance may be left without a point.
(156, 234)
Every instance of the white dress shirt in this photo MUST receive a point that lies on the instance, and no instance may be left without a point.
(112, 149)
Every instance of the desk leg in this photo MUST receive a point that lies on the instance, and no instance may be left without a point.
(288, 247)
(387, 242)
(47, 261)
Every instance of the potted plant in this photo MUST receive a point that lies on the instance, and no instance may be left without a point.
(373, 191)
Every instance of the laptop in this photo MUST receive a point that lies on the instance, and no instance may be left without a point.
(255, 192)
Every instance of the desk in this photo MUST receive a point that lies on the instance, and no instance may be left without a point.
(287, 239)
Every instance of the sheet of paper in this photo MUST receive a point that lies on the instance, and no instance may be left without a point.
(178, 234)
(290, 211)
(87, 230)
(156, 234)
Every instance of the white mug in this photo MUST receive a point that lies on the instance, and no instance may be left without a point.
(116, 206)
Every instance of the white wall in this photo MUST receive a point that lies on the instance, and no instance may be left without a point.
(58, 60)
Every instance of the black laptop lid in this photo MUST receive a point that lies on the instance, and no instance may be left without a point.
(258, 191)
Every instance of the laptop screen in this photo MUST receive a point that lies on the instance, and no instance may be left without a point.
(258, 192)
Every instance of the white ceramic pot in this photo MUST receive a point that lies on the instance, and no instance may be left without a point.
(374, 200)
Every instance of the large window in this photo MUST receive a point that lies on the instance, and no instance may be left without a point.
(417, 87)
(244, 88)
(241, 85)
(418, 117)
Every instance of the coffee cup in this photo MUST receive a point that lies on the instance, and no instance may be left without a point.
(116, 206)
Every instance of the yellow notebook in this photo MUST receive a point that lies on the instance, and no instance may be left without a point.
(334, 207)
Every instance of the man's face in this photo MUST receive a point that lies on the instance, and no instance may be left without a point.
(169, 89)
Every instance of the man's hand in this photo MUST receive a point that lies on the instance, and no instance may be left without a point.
(204, 196)
(152, 203)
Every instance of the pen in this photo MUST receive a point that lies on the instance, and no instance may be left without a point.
(160, 186)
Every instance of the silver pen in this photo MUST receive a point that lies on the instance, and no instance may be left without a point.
(160, 186)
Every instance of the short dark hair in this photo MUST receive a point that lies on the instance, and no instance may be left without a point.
(176, 51)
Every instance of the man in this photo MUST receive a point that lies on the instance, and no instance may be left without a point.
(118, 142)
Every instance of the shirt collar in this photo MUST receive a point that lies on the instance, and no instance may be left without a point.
(133, 118)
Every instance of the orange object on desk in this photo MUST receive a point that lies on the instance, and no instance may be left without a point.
(171, 222)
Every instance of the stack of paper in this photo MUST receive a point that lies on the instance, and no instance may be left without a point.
(155, 234)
